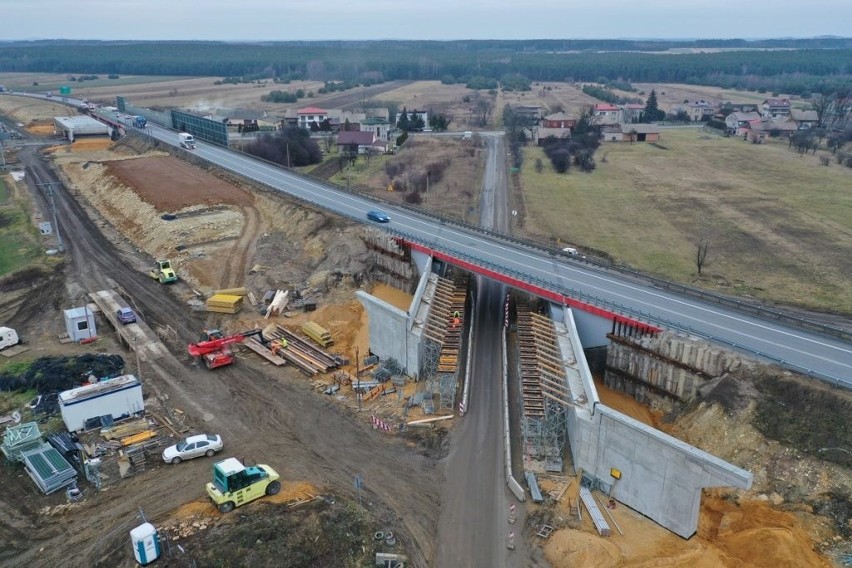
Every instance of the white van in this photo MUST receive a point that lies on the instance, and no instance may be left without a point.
(8, 337)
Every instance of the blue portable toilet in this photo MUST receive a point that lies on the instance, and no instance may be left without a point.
(146, 543)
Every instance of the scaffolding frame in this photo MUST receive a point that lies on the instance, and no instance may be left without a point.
(543, 385)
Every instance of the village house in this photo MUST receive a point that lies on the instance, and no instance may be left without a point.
(379, 127)
(310, 115)
(775, 108)
(759, 129)
(737, 123)
(556, 125)
(697, 110)
(421, 114)
(607, 114)
(559, 120)
(360, 142)
(632, 112)
(804, 119)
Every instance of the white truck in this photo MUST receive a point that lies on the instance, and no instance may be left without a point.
(186, 141)
(8, 337)
(117, 398)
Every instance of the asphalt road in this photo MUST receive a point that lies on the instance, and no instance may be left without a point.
(796, 349)
(473, 527)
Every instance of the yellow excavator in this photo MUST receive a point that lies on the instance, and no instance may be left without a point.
(163, 272)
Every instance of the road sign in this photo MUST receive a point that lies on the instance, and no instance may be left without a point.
(64, 90)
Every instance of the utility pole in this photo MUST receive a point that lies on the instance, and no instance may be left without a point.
(52, 205)
(358, 377)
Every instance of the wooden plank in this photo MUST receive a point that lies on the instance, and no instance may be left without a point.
(264, 352)
(140, 437)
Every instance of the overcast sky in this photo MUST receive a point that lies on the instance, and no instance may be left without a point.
(430, 19)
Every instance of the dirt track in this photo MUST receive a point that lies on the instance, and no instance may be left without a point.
(275, 419)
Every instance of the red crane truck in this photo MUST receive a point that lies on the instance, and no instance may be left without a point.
(214, 347)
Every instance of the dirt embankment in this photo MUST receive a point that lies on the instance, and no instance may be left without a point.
(212, 229)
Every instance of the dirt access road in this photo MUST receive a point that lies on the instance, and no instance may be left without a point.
(263, 418)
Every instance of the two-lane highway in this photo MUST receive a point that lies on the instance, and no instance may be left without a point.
(800, 350)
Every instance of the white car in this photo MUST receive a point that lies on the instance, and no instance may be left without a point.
(193, 447)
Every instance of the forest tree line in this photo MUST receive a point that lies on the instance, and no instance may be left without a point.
(798, 67)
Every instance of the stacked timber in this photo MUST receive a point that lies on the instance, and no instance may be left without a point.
(318, 333)
(298, 351)
(224, 303)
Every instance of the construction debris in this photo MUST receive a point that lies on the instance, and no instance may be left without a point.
(126, 429)
(428, 421)
(278, 303)
(19, 439)
(545, 531)
(608, 514)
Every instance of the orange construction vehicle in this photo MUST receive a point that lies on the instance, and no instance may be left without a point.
(214, 347)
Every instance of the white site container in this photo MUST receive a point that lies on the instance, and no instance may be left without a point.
(8, 337)
(118, 397)
(146, 543)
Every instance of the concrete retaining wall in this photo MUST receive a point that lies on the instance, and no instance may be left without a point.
(389, 333)
(665, 364)
(661, 476)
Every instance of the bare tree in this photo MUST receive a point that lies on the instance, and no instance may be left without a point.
(703, 239)
(701, 250)
(822, 104)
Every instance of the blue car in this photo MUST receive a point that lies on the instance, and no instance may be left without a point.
(378, 216)
(126, 315)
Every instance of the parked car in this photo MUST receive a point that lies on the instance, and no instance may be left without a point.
(193, 447)
(126, 315)
(378, 216)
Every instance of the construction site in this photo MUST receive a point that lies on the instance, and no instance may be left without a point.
(315, 342)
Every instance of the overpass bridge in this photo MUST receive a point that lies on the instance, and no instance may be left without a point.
(806, 347)
(812, 349)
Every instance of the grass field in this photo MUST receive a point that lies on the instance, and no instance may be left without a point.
(23, 82)
(18, 243)
(779, 224)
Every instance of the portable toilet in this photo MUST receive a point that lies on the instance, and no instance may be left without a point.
(80, 324)
(146, 543)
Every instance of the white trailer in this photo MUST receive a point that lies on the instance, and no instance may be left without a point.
(186, 140)
(117, 398)
(8, 337)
